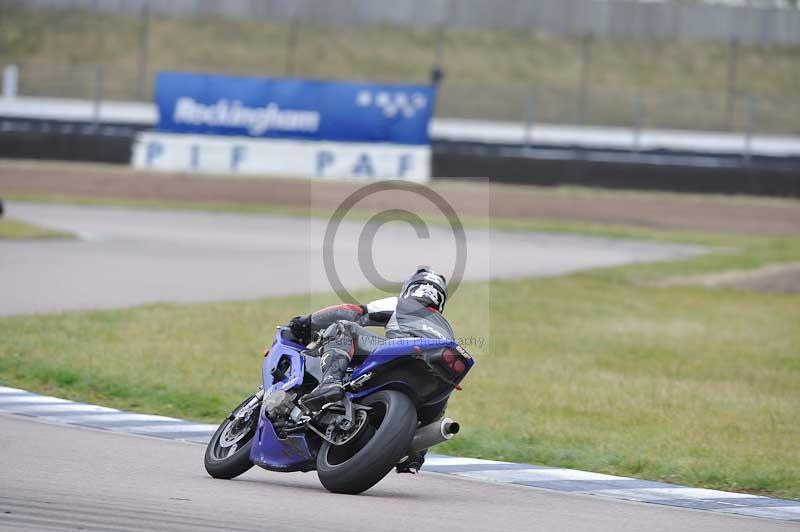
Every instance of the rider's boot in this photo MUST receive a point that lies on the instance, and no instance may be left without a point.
(334, 366)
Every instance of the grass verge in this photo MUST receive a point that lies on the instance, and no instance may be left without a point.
(15, 229)
(595, 371)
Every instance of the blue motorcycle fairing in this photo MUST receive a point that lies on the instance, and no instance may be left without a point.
(399, 347)
(389, 351)
(283, 348)
(269, 451)
(293, 453)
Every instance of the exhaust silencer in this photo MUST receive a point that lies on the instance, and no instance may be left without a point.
(433, 434)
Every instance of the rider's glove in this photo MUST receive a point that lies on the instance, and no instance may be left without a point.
(301, 328)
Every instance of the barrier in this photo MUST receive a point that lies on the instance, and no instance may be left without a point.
(768, 176)
(292, 127)
(764, 176)
(281, 157)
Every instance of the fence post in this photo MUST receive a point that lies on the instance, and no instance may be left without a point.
(749, 127)
(99, 80)
(733, 63)
(437, 70)
(291, 45)
(583, 80)
(144, 52)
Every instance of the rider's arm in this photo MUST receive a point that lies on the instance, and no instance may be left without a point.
(373, 313)
(378, 312)
(321, 319)
(304, 327)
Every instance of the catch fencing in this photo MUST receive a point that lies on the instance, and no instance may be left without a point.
(600, 18)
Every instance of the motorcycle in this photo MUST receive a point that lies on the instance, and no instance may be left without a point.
(391, 409)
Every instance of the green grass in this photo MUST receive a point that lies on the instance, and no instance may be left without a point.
(596, 371)
(684, 82)
(15, 229)
(207, 206)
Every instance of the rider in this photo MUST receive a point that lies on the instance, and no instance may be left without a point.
(416, 313)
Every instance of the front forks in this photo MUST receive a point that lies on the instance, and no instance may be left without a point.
(247, 409)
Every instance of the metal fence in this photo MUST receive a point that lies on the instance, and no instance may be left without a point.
(754, 88)
(601, 18)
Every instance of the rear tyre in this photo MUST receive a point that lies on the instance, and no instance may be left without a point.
(228, 453)
(359, 465)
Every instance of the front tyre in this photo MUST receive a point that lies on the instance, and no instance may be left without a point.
(359, 465)
(228, 452)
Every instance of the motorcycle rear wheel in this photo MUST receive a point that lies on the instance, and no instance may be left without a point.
(359, 465)
(228, 453)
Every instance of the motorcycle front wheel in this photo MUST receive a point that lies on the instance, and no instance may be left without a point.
(357, 466)
(228, 453)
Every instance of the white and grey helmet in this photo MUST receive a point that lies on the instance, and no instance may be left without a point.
(428, 287)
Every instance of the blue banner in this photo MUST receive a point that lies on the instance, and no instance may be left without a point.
(293, 108)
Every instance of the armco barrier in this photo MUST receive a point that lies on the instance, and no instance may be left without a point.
(762, 177)
(66, 141)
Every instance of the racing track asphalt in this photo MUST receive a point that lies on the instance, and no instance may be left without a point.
(56, 477)
(125, 257)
